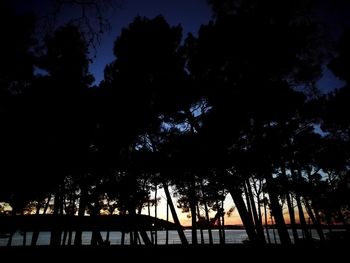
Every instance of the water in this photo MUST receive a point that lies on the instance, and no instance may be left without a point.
(232, 236)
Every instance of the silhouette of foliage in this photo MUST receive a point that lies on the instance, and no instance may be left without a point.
(231, 111)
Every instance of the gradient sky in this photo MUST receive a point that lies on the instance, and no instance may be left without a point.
(189, 13)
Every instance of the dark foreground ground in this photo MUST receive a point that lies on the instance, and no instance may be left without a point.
(177, 253)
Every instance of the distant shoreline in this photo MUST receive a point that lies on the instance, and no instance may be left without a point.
(333, 227)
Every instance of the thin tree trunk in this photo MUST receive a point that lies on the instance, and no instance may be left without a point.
(122, 241)
(145, 238)
(137, 238)
(35, 235)
(277, 211)
(47, 204)
(70, 235)
(247, 201)
(155, 215)
(13, 231)
(167, 219)
(174, 215)
(200, 226)
(207, 218)
(258, 224)
(289, 203)
(266, 223)
(96, 238)
(143, 233)
(292, 218)
(258, 193)
(81, 214)
(223, 223)
(314, 221)
(318, 219)
(149, 214)
(55, 239)
(107, 237)
(302, 220)
(64, 239)
(218, 218)
(273, 228)
(192, 201)
(246, 218)
(302, 217)
(194, 128)
(131, 235)
(24, 238)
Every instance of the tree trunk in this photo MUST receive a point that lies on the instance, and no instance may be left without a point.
(266, 222)
(155, 215)
(292, 218)
(81, 214)
(218, 218)
(273, 229)
(64, 239)
(47, 204)
(314, 221)
(35, 235)
(236, 194)
(122, 241)
(167, 219)
(277, 211)
(149, 214)
(223, 222)
(207, 217)
(302, 217)
(55, 239)
(289, 203)
(174, 215)
(258, 200)
(248, 201)
(143, 233)
(70, 234)
(107, 236)
(131, 235)
(96, 238)
(192, 201)
(299, 205)
(13, 231)
(200, 226)
(24, 238)
(258, 224)
(145, 238)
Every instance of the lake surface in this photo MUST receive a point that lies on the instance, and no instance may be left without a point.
(232, 236)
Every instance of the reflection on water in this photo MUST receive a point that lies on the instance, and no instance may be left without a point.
(231, 236)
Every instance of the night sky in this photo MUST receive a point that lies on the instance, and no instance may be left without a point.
(190, 14)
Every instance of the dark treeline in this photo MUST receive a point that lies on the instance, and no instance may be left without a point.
(233, 111)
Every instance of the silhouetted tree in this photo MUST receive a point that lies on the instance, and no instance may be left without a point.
(229, 61)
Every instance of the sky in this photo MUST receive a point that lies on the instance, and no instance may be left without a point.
(189, 13)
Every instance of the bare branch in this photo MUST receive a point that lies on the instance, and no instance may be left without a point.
(90, 16)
